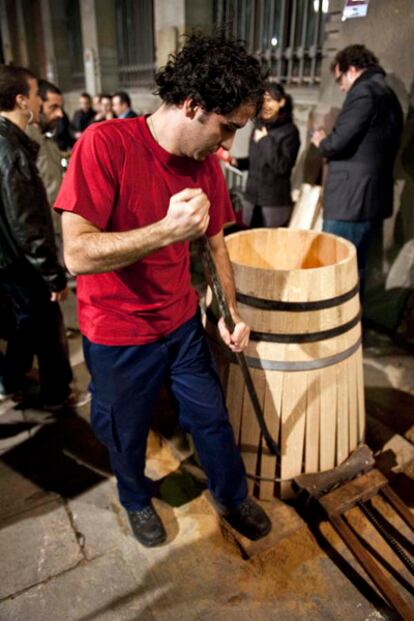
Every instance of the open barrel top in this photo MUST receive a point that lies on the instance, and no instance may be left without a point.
(287, 249)
(293, 265)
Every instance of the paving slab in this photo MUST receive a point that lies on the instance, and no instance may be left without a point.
(38, 546)
(14, 429)
(19, 493)
(84, 594)
(99, 519)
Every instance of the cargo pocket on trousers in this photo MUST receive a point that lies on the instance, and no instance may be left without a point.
(104, 425)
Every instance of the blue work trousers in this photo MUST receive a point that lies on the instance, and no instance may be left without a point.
(125, 384)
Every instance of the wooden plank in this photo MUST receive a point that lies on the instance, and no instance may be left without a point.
(312, 422)
(328, 418)
(234, 398)
(399, 506)
(293, 428)
(306, 208)
(342, 442)
(272, 413)
(372, 568)
(361, 395)
(250, 430)
(353, 403)
(348, 494)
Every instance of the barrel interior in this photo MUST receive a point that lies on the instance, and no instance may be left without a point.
(284, 249)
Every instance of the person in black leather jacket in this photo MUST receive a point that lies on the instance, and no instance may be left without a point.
(274, 146)
(31, 280)
(361, 150)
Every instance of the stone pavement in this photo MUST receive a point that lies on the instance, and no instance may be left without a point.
(67, 553)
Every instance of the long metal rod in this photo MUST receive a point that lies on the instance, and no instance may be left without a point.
(210, 268)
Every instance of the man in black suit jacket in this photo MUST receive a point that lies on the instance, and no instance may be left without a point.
(361, 150)
(121, 106)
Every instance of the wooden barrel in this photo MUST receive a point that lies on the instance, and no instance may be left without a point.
(298, 291)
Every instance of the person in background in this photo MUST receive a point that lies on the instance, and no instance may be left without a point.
(121, 106)
(127, 239)
(104, 112)
(49, 156)
(96, 101)
(360, 150)
(65, 137)
(84, 116)
(32, 282)
(274, 146)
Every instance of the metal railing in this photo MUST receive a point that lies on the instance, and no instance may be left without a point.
(235, 178)
(287, 35)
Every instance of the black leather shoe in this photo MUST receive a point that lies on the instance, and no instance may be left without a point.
(249, 519)
(147, 526)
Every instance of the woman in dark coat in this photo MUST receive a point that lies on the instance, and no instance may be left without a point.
(274, 146)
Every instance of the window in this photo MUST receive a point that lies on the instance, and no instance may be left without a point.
(135, 37)
(73, 25)
(287, 35)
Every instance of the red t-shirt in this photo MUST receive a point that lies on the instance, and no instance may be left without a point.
(120, 179)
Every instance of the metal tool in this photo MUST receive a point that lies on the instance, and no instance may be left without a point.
(210, 268)
(355, 483)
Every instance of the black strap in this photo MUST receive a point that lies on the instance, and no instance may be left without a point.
(296, 307)
(311, 337)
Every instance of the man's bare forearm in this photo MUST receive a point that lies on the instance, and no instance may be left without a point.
(88, 250)
(92, 251)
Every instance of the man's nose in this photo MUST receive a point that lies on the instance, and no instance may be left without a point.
(59, 113)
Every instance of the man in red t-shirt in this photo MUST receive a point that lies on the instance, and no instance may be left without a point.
(136, 192)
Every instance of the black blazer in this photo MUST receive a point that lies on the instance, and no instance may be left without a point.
(361, 151)
(270, 163)
(131, 114)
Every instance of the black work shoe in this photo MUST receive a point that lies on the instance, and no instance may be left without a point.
(147, 526)
(249, 519)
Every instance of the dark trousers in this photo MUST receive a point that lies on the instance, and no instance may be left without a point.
(36, 328)
(125, 384)
(360, 234)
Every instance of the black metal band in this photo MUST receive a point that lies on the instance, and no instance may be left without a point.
(296, 307)
(311, 337)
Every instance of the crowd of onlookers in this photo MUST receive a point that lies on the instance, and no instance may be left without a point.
(102, 107)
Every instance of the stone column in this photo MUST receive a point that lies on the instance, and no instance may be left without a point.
(5, 33)
(98, 19)
(50, 55)
(169, 24)
(174, 18)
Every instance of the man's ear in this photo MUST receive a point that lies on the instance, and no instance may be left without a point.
(190, 108)
(21, 102)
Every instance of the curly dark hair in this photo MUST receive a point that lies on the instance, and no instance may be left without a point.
(215, 72)
(357, 56)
